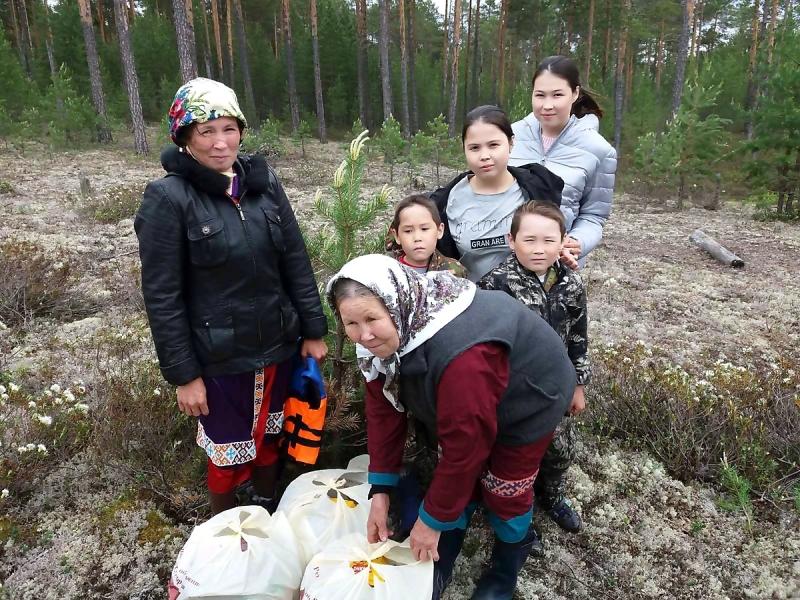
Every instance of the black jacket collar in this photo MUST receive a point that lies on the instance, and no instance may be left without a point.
(253, 170)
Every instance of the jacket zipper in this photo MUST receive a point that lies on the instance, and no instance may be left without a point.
(249, 245)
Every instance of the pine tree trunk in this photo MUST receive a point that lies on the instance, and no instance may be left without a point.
(660, 56)
(467, 50)
(361, 61)
(629, 75)
(184, 35)
(473, 91)
(607, 46)
(412, 69)
(51, 58)
(750, 99)
(17, 37)
(101, 20)
(323, 135)
(404, 111)
(451, 113)
(215, 24)
(98, 98)
(619, 77)
(687, 7)
(229, 43)
(276, 43)
(131, 79)
(25, 37)
(445, 51)
(501, 52)
(589, 34)
(207, 41)
(244, 61)
(383, 40)
(773, 22)
(294, 105)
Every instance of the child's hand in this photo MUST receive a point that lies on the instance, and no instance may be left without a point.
(578, 403)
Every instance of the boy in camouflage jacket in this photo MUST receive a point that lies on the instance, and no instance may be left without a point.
(533, 275)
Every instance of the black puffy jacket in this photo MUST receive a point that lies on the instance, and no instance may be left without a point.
(227, 289)
(535, 181)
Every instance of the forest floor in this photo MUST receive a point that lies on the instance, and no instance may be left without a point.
(80, 533)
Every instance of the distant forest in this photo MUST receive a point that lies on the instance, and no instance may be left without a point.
(660, 68)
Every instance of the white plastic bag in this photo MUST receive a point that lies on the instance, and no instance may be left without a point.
(241, 553)
(323, 506)
(353, 569)
(359, 463)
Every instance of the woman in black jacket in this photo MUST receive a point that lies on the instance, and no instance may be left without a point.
(228, 287)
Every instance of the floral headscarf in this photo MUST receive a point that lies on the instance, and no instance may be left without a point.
(201, 100)
(420, 305)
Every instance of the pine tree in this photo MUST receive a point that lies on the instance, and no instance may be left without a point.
(184, 34)
(321, 128)
(348, 229)
(392, 144)
(98, 97)
(131, 79)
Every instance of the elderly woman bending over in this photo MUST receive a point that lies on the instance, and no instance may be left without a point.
(488, 379)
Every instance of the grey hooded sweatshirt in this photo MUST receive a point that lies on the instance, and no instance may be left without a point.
(587, 164)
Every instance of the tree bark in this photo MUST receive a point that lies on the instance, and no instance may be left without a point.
(131, 10)
(51, 58)
(473, 91)
(383, 39)
(451, 113)
(750, 99)
(467, 50)
(323, 135)
(244, 61)
(98, 97)
(501, 52)
(412, 64)
(361, 61)
(404, 109)
(294, 105)
(629, 68)
(589, 34)
(215, 24)
(207, 41)
(773, 22)
(184, 34)
(25, 37)
(660, 56)
(229, 43)
(619, 81)
(276, 43)
(445, 50)
(131, 79)
(607, 46)
(101, 20)
(17, 37)
(687, 9)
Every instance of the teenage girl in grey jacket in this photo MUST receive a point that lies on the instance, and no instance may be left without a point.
(562, 134)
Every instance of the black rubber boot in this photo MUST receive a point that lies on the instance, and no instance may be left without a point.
(500, 581)
(449, 547)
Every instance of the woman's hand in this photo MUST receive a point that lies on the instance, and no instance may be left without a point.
(571, 252)
(578, 403)
(192, 398)
(424, 542)
(377, 528)
(317, 349)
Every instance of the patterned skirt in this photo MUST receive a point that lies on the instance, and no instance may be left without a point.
(244, 421)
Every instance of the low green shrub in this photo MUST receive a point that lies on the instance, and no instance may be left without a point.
(265, 140)
(113, 205)
(748, 415)
(40, 282)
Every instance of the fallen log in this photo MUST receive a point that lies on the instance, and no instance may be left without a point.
(715, 249)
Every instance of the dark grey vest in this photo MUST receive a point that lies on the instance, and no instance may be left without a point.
(541, 378)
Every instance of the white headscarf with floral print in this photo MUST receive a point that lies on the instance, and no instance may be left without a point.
(420, 305)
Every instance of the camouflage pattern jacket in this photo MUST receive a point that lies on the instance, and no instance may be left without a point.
(560, 300)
